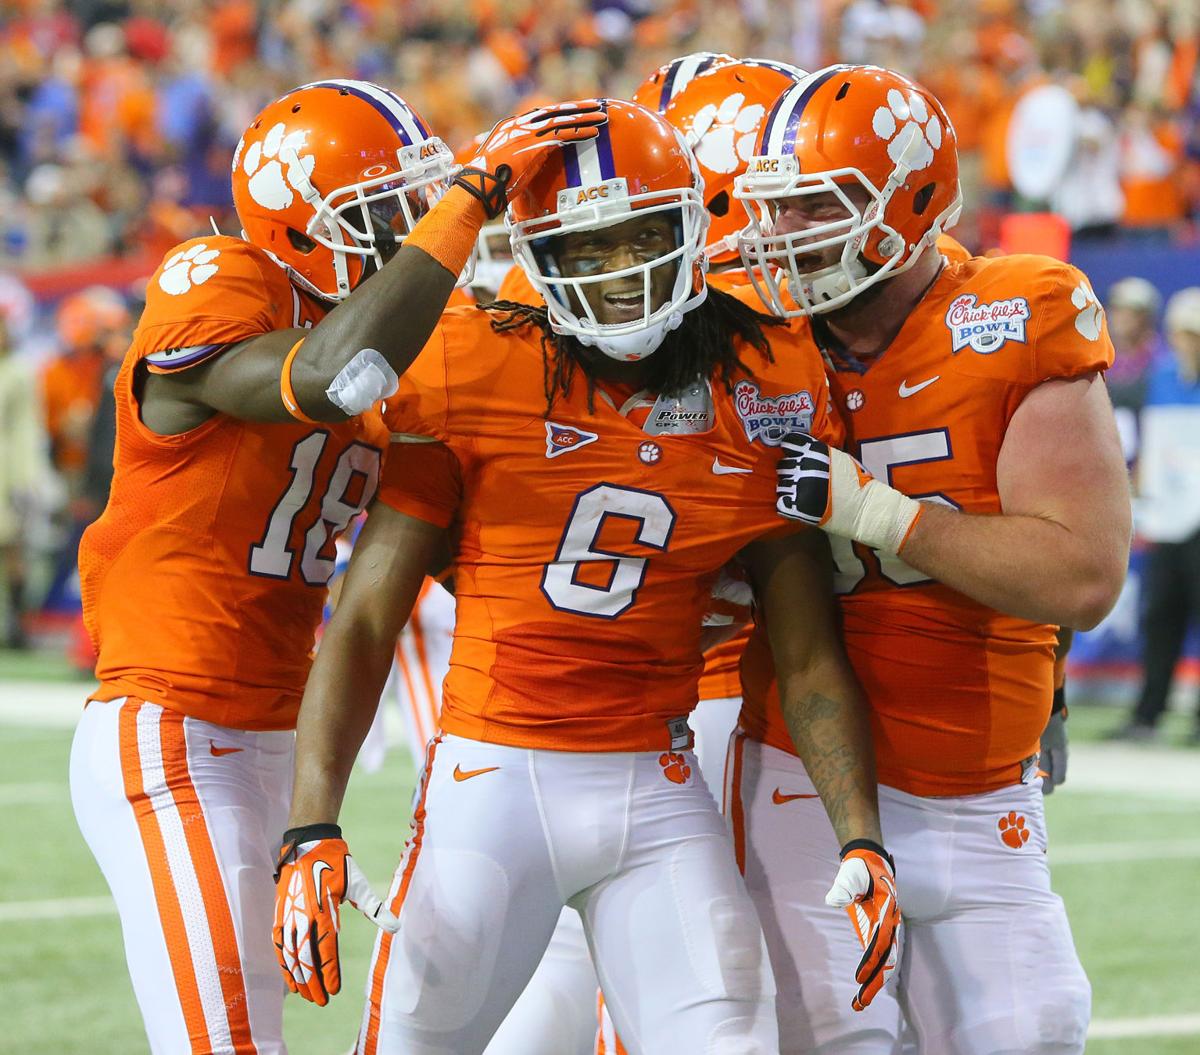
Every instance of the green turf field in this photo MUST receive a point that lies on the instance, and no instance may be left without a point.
(1126, 866)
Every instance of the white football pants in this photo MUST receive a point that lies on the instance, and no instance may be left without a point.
(503, 838)
(988, 965)
(183, 817)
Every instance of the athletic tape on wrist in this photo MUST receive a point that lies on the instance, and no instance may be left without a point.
(449, 230)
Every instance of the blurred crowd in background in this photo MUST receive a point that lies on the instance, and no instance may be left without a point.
(118, 121)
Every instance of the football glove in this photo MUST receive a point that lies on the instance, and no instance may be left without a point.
(314, 876)
(731, 600)
(865, 887)
(826, 487)
(517, 147)
(1052, 759)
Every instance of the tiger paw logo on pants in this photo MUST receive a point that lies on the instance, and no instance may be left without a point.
(1012, 830)
(675, 767)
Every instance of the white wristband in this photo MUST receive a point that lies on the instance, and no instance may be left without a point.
(875, 514)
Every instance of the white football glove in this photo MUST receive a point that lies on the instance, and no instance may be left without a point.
(826, 487)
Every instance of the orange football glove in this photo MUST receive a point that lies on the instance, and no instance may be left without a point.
(866, 887)
(314, 876)
(517, 147)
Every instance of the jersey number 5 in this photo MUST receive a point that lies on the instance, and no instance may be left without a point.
(880, 457)
(579, 548)
(273, 556)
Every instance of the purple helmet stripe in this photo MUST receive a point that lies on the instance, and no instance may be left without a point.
(391, 118)
(797, 111)
(570, 152)
(608, 168)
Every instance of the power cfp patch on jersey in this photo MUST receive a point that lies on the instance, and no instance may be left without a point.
(770, 418)
(985, 327)
(560, 439)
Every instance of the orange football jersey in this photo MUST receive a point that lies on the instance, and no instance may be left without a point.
(204, 579)
(959, 693)
(721, 679)
(517, 287)
(586, 547)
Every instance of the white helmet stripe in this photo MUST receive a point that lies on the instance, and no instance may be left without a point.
(589, 163)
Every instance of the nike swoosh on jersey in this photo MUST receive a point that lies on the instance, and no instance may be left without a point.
(779, 798)
(219, 751)
(907, 390)
(467, 774)
(317, 868)
(725, 470)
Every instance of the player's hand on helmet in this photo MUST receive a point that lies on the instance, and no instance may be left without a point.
(826, 487)
(517, 147)
(315, 874)
(865, 887)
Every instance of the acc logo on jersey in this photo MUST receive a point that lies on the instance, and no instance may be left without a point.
(563, 438)
(770, 418)
(985, 327)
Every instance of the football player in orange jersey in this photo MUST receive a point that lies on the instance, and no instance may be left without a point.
(203, 579)
(993, 505)
(590, 524)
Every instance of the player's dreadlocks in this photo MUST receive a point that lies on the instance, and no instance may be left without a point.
(702, 346)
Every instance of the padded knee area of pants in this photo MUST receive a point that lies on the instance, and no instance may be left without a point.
(1059, 1020)
(722, 933)
(741, 1036)
(452, 926)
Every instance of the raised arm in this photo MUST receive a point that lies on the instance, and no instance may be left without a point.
(354, 356)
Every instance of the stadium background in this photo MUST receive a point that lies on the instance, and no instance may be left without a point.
(117, 122)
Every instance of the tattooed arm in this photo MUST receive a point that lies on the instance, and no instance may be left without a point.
(823, 705)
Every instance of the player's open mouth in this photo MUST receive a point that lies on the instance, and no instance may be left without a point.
(629, 304)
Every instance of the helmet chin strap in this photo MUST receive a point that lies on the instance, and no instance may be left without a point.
(633, 347)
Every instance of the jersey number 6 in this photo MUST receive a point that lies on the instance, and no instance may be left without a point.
(654, 520)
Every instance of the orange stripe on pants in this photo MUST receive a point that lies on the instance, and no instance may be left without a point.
(369, 1042)
(228, 966)
(737, 813)
(604, 1019)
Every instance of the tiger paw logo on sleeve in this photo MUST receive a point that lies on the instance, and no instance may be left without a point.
(191, 267)
(985, 327)
(1090, 319)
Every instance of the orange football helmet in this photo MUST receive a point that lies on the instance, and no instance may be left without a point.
(720, 112)
(848, 127)
(637, 165)
(666, 82)
(331, 177)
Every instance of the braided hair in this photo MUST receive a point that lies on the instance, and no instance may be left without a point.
(704, 345)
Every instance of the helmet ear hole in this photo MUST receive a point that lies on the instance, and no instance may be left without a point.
(718, 204)
(922, 198)
(300, 242)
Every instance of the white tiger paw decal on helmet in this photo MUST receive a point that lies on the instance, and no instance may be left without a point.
(193, 267)
(1091, 315)
(721, 135)
(264, 165)
(904, 112)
